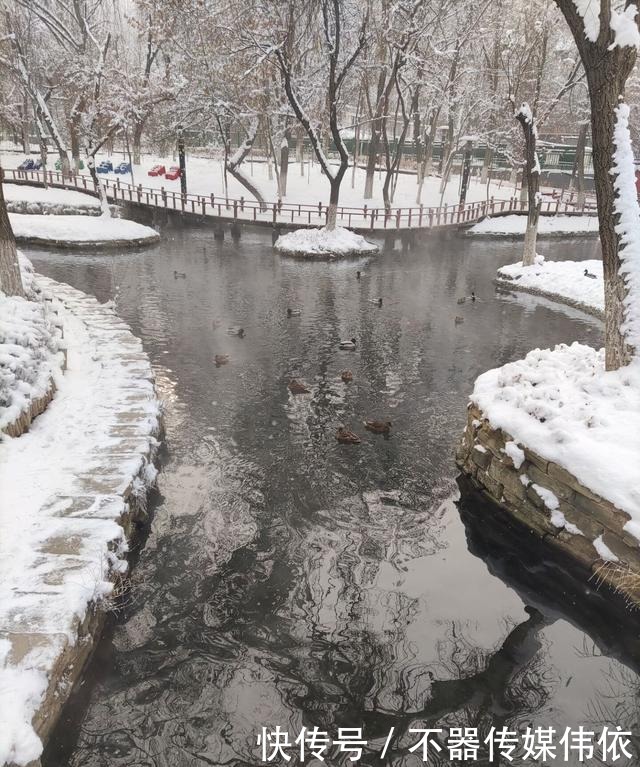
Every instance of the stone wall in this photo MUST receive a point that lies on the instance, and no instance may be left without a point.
(520, 492)
(51, 209)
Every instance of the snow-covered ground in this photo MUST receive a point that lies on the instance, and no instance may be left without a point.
(62, 494)
(322, 243)
(30, 351)
(80, 230)
(51, 196)
(205, 176)
(514, 226)
(564, 281)
(563, 405)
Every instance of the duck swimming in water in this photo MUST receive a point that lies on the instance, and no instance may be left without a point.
(236, 332)
(293, 312)
(346, 437)
(347, 376)
(378, 427)
(349, 345)
(221, 359)
(295, 387)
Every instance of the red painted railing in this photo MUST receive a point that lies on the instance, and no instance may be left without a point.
(241, 210)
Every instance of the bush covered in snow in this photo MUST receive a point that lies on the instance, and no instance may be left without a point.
(29, 350)
(324, 243)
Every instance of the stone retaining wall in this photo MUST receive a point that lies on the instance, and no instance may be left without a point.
(51, 209)
(481, 456)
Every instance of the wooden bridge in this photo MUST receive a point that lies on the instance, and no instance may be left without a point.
(300, 215)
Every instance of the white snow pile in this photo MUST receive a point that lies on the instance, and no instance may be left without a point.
(38, 196)
(323, 243)
(30, 356)
(62, 488)
(515, 226)
(563, 405)
(559, 280)
(87, 230)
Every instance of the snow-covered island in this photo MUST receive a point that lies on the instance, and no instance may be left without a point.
(548, 226)
(324, 243)
(575, 283)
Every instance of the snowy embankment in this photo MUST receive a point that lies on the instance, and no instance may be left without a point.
(76, 231)
(563, 405)
(515, 226)
(22, 198)
(69, 488)
(31, 355)
(563, 281)
(322, 243)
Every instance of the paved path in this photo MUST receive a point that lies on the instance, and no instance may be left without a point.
(69, 489)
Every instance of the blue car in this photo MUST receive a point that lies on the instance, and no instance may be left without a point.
(37, 165)
(106, 166)
(26, 164)
(124, 167)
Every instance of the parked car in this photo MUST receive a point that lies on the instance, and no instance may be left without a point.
(106, 166)
(173, 173)
(124, 167)
(58, 165)
(157, 170)
(26, 164)
(37, 165)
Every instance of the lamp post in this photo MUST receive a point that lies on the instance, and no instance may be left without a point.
(182, 162)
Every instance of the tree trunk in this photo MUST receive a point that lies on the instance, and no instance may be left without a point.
(137, 141)
(607, 66)
(10, 279)
(488, 156)
(98, 186)
(332, 210)
(532, 175)
(284, 163)
(604, 90)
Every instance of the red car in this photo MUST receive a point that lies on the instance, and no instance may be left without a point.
(157, 170)
(173, 173)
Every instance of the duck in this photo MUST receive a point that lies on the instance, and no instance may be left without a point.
(350, 345)
(462, 300)
(587, 273)
(347, 376)
(358, 274)
(293, 312)
(236, 332)
(347, 437)
(177, 274)
(473, 295)
(295, 387)
(221, 359)
(459, 319)
(378, 427)
(377, 301)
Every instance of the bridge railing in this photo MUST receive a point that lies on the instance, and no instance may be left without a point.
(279, 212)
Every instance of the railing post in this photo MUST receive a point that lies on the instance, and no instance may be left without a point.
(212, 202)
(139, 191)
(372, 218)
(242, 204)
(275, 212)
(364, 215)
(398, 215)
(235, 209)
(320, 209)
(163, 194)
(409, 219)
(203, 202)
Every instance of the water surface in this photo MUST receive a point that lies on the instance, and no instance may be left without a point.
(289, 580)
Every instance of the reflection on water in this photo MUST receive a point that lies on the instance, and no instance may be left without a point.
(291, 580)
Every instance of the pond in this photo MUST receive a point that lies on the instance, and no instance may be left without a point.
(291, 580)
